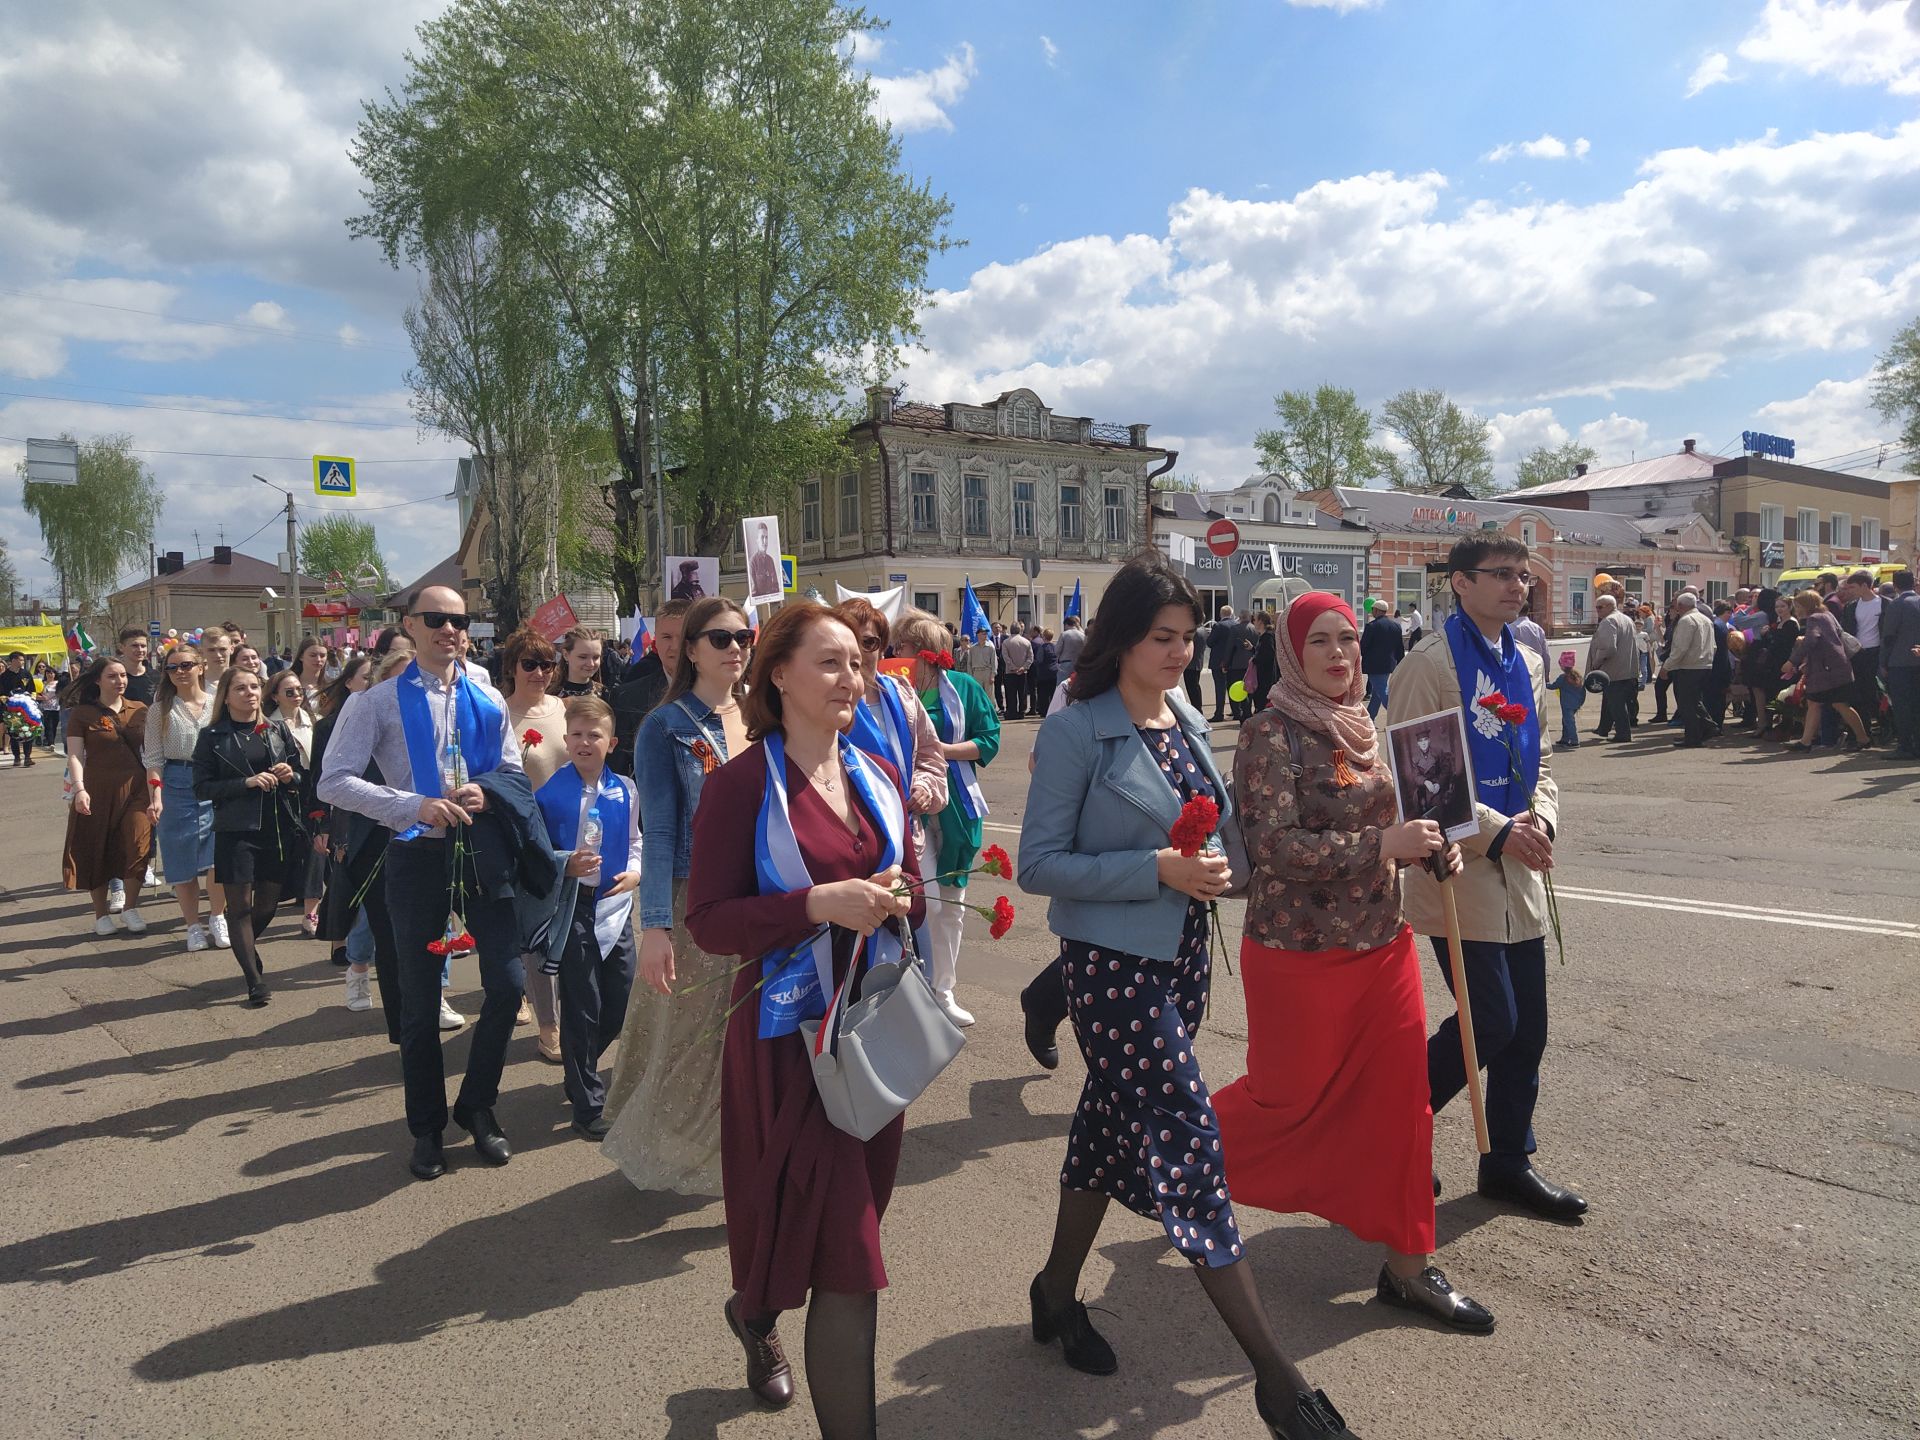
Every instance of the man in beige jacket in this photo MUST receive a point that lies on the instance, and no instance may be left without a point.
(1500, 894)
(1689, 663)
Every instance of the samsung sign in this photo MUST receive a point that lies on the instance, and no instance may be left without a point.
(1755, 443)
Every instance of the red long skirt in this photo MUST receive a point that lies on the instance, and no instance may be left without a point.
(1332, 1117)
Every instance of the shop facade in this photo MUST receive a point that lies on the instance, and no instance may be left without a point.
(1314, 550)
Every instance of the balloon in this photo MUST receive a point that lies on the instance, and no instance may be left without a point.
(1237, 691)
(1366, 606)
(1602, 579)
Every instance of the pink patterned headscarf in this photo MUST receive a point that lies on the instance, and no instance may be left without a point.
(1344, 721)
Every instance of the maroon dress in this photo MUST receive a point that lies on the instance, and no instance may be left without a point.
(803, 1199)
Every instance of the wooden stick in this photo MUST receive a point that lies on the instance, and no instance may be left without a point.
(1464, 1004)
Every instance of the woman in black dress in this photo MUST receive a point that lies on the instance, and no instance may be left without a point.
(1266, 659)
(249, 767)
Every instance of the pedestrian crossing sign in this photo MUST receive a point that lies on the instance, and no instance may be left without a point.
(333, 475)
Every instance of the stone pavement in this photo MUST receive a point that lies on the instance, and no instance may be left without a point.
(210, 1230)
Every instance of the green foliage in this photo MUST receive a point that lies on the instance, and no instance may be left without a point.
(1449, 446)
(703, 191)
(344, 544)
(9, 576)
(1545, 463)
(1896, 389)
(97, 529)
(1324, 438)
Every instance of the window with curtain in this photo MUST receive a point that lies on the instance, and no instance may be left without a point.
(1072, 523)
(926, 503)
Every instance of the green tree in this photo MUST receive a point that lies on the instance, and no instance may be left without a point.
(1448, 445)
(9, 577)
(1545, 463)
(707, 196)
(1896, 389)
(97, 529)
(1324, 438)
(345, 545)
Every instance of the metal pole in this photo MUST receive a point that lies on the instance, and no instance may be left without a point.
(659, 479)
(293, 580)
(153, 604)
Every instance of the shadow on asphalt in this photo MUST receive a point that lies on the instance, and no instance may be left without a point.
(610, 1239)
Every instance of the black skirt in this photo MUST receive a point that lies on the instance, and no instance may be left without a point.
(275, 854)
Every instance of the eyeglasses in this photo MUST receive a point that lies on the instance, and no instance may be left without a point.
(529, 664)
(180, 667)
(727, 639)
(435, 619)
(870, 643)
(1504, 575)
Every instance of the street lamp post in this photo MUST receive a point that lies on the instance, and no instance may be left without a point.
(293, 567)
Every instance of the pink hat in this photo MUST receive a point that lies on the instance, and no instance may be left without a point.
(1566, 659)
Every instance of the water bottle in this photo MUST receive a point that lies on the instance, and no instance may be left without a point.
(453, 770)
(591, 831)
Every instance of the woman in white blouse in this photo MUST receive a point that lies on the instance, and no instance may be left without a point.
(181, 706)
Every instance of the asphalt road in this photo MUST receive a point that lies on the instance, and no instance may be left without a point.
(209, 1228)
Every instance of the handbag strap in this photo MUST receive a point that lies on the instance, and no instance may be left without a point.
(718, 747)
(827, 1037)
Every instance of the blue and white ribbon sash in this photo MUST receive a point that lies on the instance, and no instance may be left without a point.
(559, 801)
(795, 982)
(962, 781)
(1499, 750)
(882, 728)
(478, 723)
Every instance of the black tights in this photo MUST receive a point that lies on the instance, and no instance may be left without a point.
(840, 1335)
(249, 911)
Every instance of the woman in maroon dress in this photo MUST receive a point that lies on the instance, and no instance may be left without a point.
(803, 1199)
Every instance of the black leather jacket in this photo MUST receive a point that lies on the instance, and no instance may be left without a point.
(220, 772)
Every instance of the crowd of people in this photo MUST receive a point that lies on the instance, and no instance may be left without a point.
(693, 851)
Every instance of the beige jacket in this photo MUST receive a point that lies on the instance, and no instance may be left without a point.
(1692, 647)
(1499, 900)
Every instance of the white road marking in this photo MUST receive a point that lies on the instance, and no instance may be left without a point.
(1590, 892)
(1004, 829)
(1898, 929)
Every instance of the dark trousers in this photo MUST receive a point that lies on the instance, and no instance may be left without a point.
(386, 961)
(1866, 685)
(1660, 689)
(1508, 987)
(594, 990)
(1222, 678)
(1903, 690)
(1192, 679)
(1689, 705)
(1377, 693)
(418, 896)
(1616, 708)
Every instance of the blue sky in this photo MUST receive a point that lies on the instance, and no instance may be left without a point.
(1574, 218)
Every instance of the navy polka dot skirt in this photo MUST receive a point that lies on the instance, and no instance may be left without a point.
(1144, 1132)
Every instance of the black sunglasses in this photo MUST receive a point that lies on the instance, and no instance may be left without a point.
(179, 666)
(528, 663)
(434, 619)
(727, 639)
(870, 643)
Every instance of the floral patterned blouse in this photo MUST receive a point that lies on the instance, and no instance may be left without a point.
(1319, 882)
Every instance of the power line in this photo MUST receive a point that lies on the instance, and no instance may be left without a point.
(300, 459)
(242, 326)
(150, 394)
(201, 410)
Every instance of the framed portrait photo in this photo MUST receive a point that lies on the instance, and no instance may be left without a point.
(766, 585)
(1433, 772)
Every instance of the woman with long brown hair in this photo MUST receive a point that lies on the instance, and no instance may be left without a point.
(110, 829)
(579, 672)
(181, 708)
(538, 716)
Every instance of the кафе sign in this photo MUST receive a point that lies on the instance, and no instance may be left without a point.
(1248, 567)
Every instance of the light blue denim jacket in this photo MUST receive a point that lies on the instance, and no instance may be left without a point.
(1098, 811)
(669, 777)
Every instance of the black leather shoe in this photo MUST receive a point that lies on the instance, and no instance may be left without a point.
(257, 996)
(1436, 1184)
(1307, 1417)
(1040, 1041)
(1531, 1191)
(487, 1137)
(1086, 1350)
(428, 1162)
(1431, 1293)
(594, 1129)
(769, 1376)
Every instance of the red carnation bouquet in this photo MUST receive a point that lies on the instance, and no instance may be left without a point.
(1511, 716)
(531, 739)
(938, 659)
(1196, 832)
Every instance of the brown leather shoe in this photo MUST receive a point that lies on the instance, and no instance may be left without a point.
(769, 1376)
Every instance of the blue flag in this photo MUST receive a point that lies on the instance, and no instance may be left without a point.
(973, 615)
(1073, 604)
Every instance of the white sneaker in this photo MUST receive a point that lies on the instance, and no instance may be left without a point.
(196, 938)
(450, 1018)
(136, 923)
(116, 896)
(951, 1009)
(151, 880)
(217, 932)
(360, 990)
(104, 925)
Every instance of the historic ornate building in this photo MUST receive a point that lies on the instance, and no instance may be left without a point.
(936, 494)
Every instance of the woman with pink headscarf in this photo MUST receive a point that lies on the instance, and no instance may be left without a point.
(1332, 1117)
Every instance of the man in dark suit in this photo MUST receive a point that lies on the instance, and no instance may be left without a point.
(1229, 648)
(1383, 645)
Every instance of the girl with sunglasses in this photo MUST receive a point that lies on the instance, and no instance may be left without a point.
(528, 664)
(664, 1099)
(182, 707)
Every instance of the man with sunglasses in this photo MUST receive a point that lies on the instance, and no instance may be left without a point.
(1500, 893)
(433, 732)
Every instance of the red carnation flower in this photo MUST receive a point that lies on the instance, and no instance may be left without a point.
(462, 941)
(946, 660)
(260, 728)
(1199, 818)
(995, 861)
(1512, 714)
(1002, 917)
(1491, 702)
(531, 738)
(438, 947)
(937, 659)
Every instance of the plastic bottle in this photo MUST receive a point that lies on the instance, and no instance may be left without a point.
(591, 831)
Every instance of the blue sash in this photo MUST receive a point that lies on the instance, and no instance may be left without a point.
(888, 734)
(1499, 750)
(475, 736)
(560, 806)
(789, 979)
(963, 783)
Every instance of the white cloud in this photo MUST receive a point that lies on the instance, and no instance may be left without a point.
(1856, 42)
(1618, 438)
(919, 99)
(266, 314)
(1547, 147)
(1711, 71)
(1375, 281)
(38, 327)
(1512, 436)
(864, 46)
(1049, 51)
(1834, 419)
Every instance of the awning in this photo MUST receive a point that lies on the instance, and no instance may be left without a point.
(327, 610)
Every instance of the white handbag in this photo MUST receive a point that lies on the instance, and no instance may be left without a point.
(872, 1058)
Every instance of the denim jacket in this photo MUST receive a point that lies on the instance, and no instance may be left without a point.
(669, 775)
(1098, 812)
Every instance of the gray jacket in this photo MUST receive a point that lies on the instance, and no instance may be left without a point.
(1098, 812)
(1900, 632)
(1615, 651)
(1691, 643)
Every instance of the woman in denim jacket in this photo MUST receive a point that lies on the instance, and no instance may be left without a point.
(664, 1099)
(1114, 771)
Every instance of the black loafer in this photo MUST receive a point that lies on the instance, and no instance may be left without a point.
(487, 1137)
(428, 1162)
(1431, 1293)
(594, 1129)
(1085, 1348)
(1307, 1417)
(1532, 1191)
(1040, 1041)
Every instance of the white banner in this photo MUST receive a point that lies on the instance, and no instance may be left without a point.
(890, 603)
